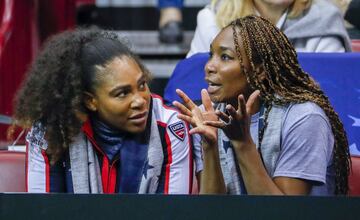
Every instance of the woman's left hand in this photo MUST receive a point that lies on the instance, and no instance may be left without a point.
(236, 124)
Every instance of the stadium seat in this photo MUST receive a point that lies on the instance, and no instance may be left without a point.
(12, 171)
(354, 178)
(337, 73)
(355, 45)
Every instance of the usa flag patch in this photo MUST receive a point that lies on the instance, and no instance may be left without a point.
(178, 129)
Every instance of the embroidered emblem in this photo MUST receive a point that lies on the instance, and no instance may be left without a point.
(178, 129)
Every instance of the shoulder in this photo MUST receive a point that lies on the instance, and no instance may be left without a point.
(205, 13)
(305, 108)
(300, 110)
(174, 130)
(162, 112)
(167, 117)
(206, 19)
(306, 115)
(322, 18)
(325, 4)
(323, 9)
(36, 137)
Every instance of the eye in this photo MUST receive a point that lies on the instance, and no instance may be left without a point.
(226, 57)
(142, 85)
(122, 94)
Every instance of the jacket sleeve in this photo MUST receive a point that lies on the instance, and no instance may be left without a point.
(205, 32)
(41, 177)
(177, 175)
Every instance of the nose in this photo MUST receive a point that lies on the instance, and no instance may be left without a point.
(210, 66)
(138, 101)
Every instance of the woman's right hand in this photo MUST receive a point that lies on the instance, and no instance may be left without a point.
(192, 114)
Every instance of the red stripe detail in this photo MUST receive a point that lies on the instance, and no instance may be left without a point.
(112, 179)
(108, 174)
(191, 168)
(26, 167)
(169, 159)
(105, 174)
(87, 129)
(47, 171)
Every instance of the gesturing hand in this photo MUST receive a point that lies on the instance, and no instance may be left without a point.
(236, 124)
(192, 114)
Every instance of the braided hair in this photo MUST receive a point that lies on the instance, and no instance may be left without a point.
(285, 82)
(53, 92)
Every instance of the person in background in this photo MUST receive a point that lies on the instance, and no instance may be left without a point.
(352, 14)
(170, 22)
(310, 25)
(94, 126)
(266, 126)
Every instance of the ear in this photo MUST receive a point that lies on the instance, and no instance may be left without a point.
(90, 101)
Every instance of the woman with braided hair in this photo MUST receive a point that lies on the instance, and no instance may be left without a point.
(94, 125)
(266, 127)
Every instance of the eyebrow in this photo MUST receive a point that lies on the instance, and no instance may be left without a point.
(142, 78)
(127, 87)
(224, 48)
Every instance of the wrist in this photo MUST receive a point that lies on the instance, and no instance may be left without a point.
(243, 145)
(208, 145)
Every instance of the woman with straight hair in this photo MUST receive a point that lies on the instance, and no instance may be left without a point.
(310, 25)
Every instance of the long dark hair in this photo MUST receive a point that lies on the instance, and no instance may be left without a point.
(286, 82)
(53, 92)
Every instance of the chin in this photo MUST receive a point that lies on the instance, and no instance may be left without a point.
(136, 129)
(216, 98)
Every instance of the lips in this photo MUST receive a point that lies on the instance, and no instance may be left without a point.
(213, 87)
(139, 118)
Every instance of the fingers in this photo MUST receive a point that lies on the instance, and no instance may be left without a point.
(199, 130)
(206, 101)
(187, 101)
(186, 118)
(251, 101)
(233, 114)
(216, 124)
(224, 117)
(182, 108)
(241, 106)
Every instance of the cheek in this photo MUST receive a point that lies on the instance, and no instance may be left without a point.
(236, 85)
(115, 108)
(147, 95)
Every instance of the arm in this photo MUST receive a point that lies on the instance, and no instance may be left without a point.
(41, 177)
(292, 174)
(181, 165)
(212, 180)
(330, 44)
(205, 32)
(37, 169)
(254, 172)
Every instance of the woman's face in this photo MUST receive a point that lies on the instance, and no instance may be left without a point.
(223, 72)
(122, 96)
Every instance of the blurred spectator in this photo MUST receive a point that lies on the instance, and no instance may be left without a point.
(352, 14)
(170, 22)
(311, 26)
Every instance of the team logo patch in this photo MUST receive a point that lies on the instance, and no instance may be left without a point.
(178, 129)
